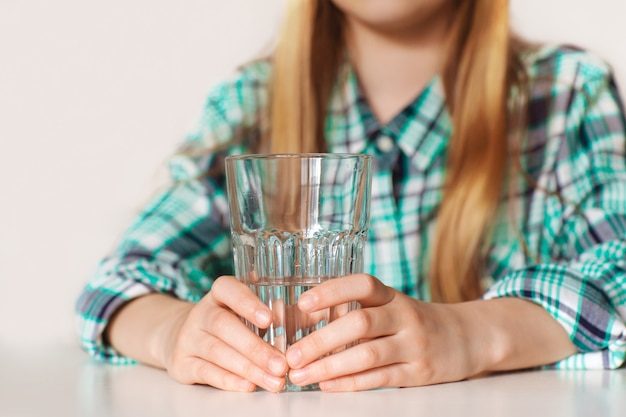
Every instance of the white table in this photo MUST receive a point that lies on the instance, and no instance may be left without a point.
(65, 382)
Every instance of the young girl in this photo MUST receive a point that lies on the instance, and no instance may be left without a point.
(499, 194)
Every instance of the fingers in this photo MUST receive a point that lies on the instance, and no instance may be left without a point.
(363, 323)
(234, 333)
(223, 351)
(229, 292)
(376, 362)
(229, 359)
(209, 359)
(371, 355)
(356, 325)
(365, 289)
(230, 356)
(386, 376)
(203, 372)
(239, 298)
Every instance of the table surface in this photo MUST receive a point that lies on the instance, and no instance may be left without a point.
(65, 382)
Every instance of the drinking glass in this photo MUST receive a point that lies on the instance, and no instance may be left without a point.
(297, 220)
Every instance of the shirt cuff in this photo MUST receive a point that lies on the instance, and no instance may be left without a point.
(581, 308)
(95, 308)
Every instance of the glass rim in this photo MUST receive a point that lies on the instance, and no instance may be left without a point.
(298, 156)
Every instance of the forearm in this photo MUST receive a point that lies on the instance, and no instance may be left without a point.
(143, 327)
(512, 333)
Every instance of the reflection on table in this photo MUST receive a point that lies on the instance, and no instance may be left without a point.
(66, 382)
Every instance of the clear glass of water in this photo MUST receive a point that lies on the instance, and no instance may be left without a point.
(297, 220)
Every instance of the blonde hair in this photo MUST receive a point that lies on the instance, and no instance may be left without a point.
(305, 65)
(480, 69)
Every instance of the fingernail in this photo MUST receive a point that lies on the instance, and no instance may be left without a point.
(272, 382)
(263, 317)
(277, 366)
(294, 356)
(296, 375)
(307, 302)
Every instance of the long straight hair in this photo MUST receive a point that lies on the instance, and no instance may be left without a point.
(480, 69)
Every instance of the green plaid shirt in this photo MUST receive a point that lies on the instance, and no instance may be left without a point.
(572, 219)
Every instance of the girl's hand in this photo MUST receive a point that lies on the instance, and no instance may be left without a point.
(208, 344)
(403, 342)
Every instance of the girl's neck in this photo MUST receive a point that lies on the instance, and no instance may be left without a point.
(394, 66)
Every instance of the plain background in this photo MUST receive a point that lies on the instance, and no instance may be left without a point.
(94, 95)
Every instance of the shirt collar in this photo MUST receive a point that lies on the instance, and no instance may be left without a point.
(421, 130)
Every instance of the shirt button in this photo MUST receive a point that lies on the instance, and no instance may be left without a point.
(385, 143)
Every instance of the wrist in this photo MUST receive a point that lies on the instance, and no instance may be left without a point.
(172, 318)
(512, 333)
(145, 328)
(484, 345)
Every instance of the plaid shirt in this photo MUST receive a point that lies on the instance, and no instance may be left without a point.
(572, 219)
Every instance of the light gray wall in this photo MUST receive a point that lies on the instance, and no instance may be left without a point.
(93, 97)
(598, 25)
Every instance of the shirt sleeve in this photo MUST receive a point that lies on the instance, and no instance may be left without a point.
(583, 284)
(180, 241)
